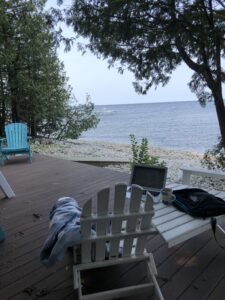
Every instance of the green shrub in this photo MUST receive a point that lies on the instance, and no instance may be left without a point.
(215, 158)
(140, 154)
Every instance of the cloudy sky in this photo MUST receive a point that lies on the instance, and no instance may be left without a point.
(90, 75)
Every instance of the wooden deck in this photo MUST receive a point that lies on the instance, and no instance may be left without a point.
(192, 270)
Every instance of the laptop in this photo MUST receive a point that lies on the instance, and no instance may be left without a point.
(151, 179)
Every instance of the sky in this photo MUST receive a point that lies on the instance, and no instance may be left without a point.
(89, 75)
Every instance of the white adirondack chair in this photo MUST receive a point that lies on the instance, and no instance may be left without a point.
(5, 187)
(109, 229)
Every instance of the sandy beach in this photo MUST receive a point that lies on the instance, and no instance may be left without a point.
(76, 150)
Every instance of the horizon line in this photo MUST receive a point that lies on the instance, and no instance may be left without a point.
(156, 102)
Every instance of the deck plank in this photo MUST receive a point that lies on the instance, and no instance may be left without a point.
(195, 268)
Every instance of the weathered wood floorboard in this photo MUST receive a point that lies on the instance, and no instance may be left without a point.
(195, 269)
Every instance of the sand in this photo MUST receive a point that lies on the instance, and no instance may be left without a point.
(91, 150)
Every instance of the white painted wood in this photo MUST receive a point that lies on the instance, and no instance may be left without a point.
(164, 210)
(176, 226)
(100, 250)
(75, 278)
(220, 235)
(150, 266)
(148, 206)
(87, 209)
(111, 234)
(102, 225)
(145, 223)
(103, 202)
(108, 263)
(122, 235)
(140, 245)
(173, 223)
(86, 223)
(120, 293)
(114, 248)
(152, 272)
(128, 246)
(220, 194)
(187, 172)
(188, 230)
(136, 196)
(86, 249)
(119, 198)
(102, 210)
(118, 209)
(5, 187)
(186, 177)
(135, 203)
(170, 217)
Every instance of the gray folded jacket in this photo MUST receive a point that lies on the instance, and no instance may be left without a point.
(64, 230)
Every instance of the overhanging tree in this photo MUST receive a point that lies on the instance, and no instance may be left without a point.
(33, 83)
(151, 38)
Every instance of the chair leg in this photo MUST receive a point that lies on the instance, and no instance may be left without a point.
(75, 278)
(30, 157)
(77, 282)
(152, 273)
(2, 159)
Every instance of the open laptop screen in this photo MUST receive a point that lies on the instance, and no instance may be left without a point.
(150, 178)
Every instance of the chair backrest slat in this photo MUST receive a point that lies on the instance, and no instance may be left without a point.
(135, 202)
(86, 249)
(118, 209)
(100, 250)
(102, 225)
(86, 224)
(145, 224)
(127, 246)
(136, 196)
(114, 250)
(119, 198)
(104, 232)
(102, 210)
(146, 220)
(141, 241)
(16, 135)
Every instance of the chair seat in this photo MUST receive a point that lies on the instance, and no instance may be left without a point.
(13, 150)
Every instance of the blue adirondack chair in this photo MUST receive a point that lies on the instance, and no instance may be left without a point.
(16, 142)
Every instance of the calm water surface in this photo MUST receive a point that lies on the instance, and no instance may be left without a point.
(176, 125)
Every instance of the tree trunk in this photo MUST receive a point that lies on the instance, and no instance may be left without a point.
(220, 110)
(33, 127)
(2, 109)
(14, 110)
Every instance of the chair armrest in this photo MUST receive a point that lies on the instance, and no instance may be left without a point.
(1, 140)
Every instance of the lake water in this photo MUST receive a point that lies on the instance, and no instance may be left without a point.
(172, 125)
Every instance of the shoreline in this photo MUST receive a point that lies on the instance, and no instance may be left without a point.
(80, 150)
